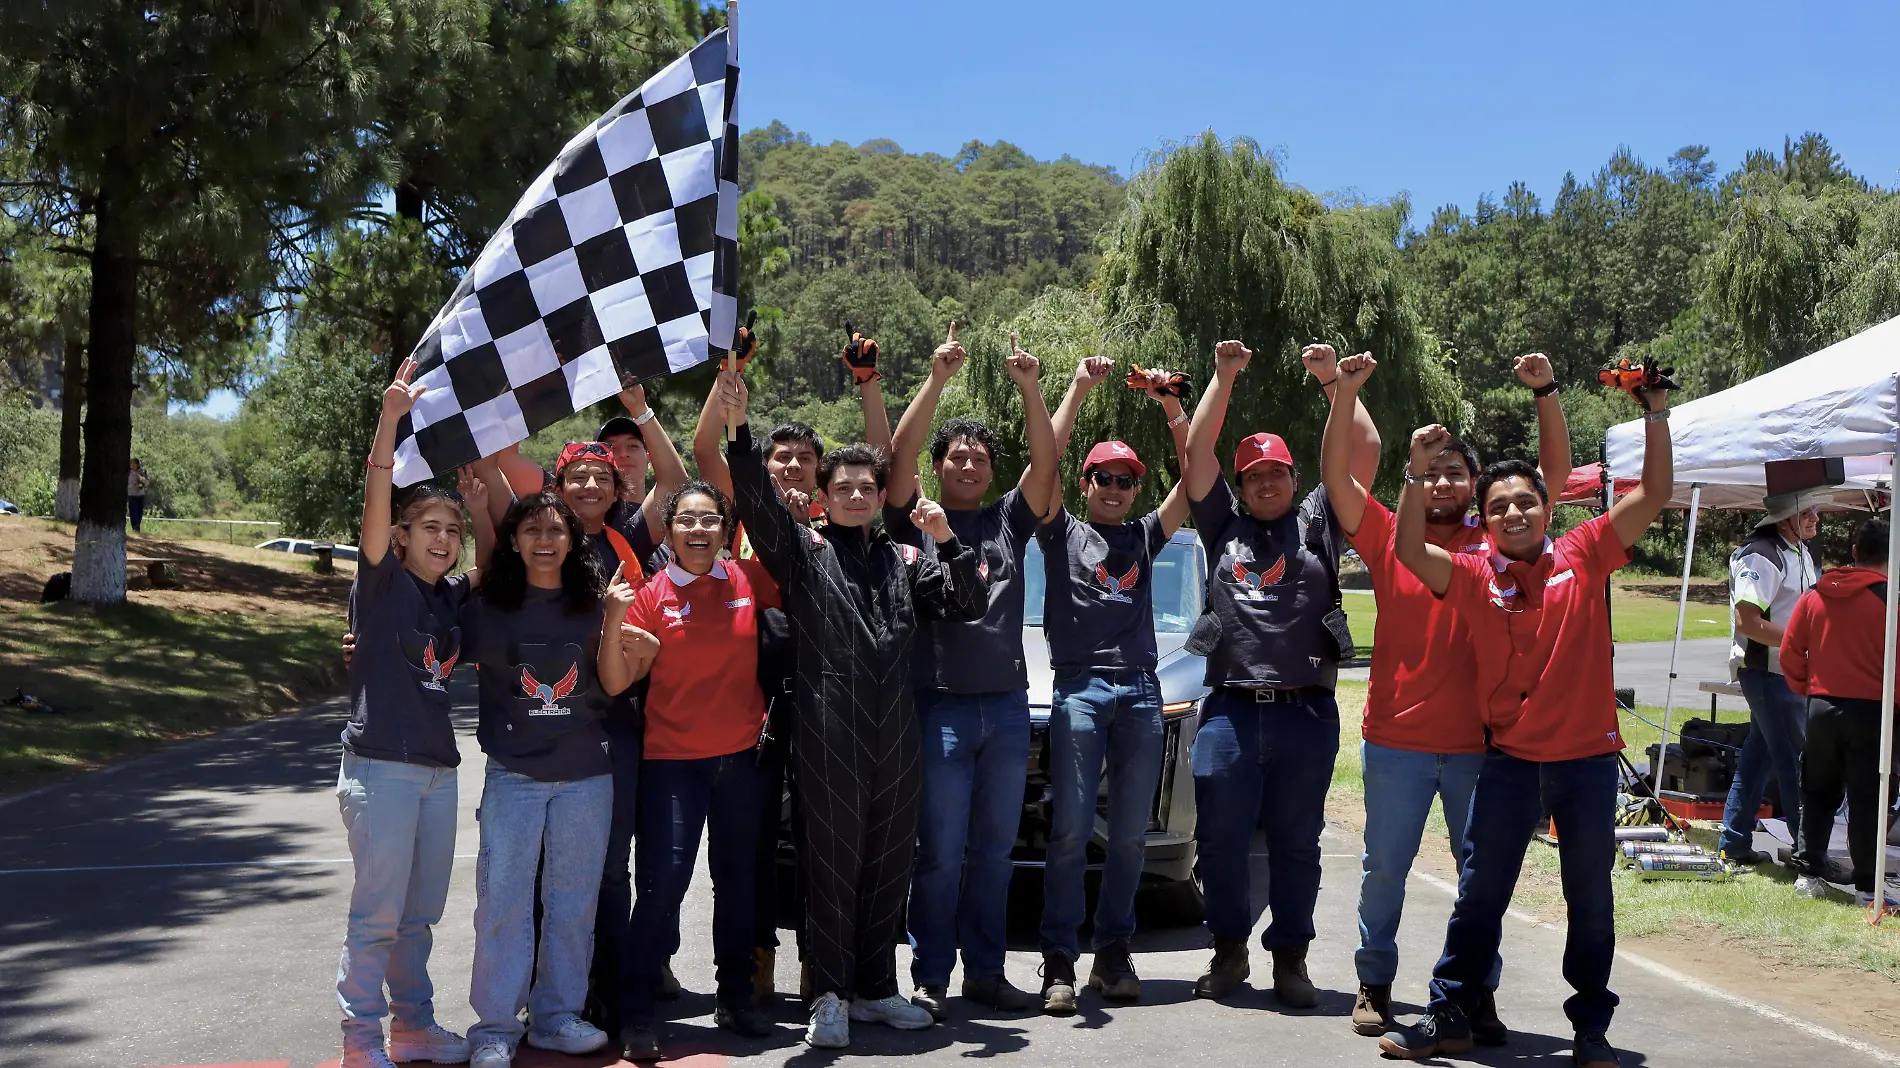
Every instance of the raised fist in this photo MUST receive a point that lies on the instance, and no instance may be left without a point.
(860, 355)
(1231, 358)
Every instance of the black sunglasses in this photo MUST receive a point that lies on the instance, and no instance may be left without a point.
(1105, 480)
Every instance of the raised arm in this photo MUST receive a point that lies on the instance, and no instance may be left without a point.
(521, 475)
(1323, 364)
(1203, 466)
(401, 395)
(669, 471)
(626, 651)
(877, 418)
(1636, 510)
(1174, 507)
(709, 442)
(499, 493)
(914, 426)
(475, 495)
(1430, 563)
(1089, 373)
(1039, 478)
(1553, 434)
(1338, 449)
(949, 587)
(777, 539)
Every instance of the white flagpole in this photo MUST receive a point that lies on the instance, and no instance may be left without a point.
(1886, 698)
(1675, 648)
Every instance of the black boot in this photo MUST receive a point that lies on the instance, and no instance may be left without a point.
(1226, 971)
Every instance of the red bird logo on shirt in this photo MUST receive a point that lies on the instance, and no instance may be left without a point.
(438, 670)
(1255, 581)
(549, 694)
(1118, 587)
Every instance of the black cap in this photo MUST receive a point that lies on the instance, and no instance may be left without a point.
(619, 424)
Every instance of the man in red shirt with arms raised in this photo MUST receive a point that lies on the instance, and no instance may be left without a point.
(1538, 621)
(1424, 734)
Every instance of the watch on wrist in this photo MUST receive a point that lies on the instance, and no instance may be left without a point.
(644, 417)
(1546, 389)
(1177, 420)
(1660, 415)
(1417, 480)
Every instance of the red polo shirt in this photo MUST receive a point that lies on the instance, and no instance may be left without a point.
(1423, 695)
(703, 697)
(1541, 635)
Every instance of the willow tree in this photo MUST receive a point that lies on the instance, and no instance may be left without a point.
(1214, 244)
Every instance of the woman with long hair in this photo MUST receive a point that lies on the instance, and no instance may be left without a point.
(396, 787)
(534, 633)
(693, 632)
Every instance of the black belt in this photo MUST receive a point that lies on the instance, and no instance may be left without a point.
(1267, 695)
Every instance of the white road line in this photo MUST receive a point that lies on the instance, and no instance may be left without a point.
(1664, 971)
(197, 864)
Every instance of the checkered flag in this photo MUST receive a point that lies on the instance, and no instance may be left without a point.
(621, 261)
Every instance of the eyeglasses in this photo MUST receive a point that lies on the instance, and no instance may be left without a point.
(699, 522)
(1105, 480)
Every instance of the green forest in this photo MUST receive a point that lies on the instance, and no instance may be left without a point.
(288, 224)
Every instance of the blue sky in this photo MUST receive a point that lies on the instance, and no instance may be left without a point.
(1442, 101)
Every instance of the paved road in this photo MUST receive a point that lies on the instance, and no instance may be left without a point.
(187, 910)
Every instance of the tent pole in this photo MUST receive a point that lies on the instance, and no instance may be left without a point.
(1886, 701)
(1675, 647)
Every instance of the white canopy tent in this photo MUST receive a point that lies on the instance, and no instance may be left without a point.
(1841, 402)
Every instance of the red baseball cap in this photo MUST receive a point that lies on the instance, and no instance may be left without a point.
(1261, 449)
(1111, 451)
(584, 450)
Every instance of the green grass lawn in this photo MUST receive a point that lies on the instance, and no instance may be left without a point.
(1757, 910)
(1635, 617)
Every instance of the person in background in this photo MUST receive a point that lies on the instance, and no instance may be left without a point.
(1424, 727)
(854, 598)
(535, 632)
(1767, 574)
(972, 690)
(1538, 619)
(632, 442)
(793, 452)
(702, 770)
(135, 483)
(1832, 649)
(1106, 706)
(396, 788)
(1275, 632)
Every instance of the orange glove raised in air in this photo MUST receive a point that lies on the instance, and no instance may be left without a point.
(745, 343)
(860, 355)
(1175, 385)
(1636, 379)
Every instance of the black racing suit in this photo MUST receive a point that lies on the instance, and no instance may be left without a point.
(854, 597)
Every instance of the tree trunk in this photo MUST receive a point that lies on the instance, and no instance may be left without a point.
(99, 546)
(72, 394)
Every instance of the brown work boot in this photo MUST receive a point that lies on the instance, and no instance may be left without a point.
(764, 975)
(1372, 1009)
(1290, 983)
(1226, 971)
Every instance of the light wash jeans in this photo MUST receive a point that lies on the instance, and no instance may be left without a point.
(1097, 718)
(565, 824)
(1400, 785)
(401, 822)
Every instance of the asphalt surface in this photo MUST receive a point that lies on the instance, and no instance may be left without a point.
(188, 908)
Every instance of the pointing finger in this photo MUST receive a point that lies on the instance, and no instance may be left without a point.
(953, 333)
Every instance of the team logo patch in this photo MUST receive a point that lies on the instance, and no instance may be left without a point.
(1499, 596)
(812, 533)
(983, 569)
(1560, 577)
(549, 695)
(1118, 587)
(909, 554)
(1254, 581)
(438, 670)
(676, 615)
(740, 603)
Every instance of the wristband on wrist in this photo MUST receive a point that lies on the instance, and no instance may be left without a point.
(1417, 480)
(1177, 420)
(1329, 382)
(1658, 416)
(1546, 389)
(644, 417)
(371, 462)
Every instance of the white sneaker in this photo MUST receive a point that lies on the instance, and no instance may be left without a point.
(366, 1058)
(494, 1053)
(566, 1032)
(830, 1024)
(894, 1011)
(1811, 886)
(437, 1045)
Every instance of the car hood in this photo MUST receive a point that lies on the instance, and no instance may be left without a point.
(1180, 672)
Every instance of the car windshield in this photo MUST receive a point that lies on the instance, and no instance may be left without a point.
(1177, 587)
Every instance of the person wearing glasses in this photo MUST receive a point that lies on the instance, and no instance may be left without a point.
(1537, 615)
(1098, 615)
(1274, 633)
(1423, 731)
(1767, 574)
(702, 764)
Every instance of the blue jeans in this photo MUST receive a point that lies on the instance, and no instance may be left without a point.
(1097, 716)
(1511, 797)
(1400, 785)
(679, 799)
(1263, 765)
(1777, 732)
(976, 757)
(565, 824)
(401, 822)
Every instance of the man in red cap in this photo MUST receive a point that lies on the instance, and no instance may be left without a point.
(1273, 633)
(1424, 725)
(1098, 616)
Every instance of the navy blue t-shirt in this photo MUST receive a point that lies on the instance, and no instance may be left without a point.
(985, 656)
(542, 709)
(408, 639)
(1271, 591)
(1098, 604)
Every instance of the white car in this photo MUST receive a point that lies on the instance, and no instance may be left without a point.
(306, 547)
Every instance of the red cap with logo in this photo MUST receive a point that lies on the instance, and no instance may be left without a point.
(1261, 449)
(584, 450)
(1111, 451)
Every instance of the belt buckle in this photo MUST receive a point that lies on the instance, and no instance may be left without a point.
(1265, 695)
